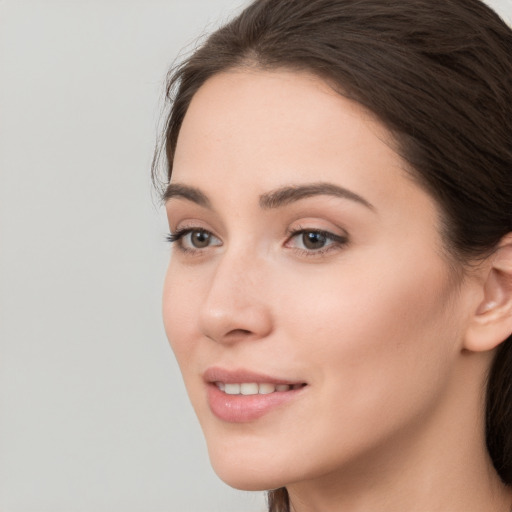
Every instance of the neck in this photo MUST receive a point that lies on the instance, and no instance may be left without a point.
(439, 464)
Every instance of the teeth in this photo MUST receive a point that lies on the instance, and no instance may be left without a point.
(232, 389)
(249, 389)
(265, 389)
(252, 388)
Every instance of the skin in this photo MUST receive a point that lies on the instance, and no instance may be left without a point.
(375, 324)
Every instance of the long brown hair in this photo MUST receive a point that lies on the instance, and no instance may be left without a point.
(438, 74)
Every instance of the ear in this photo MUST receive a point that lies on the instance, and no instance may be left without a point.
(491, 323)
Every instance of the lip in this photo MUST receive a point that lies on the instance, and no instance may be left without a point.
(245, 408)
(217, 374)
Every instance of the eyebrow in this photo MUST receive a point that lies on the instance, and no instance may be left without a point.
(289, 194)
(273, 199)
(185, 192)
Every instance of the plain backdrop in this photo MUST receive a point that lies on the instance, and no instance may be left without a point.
(93, 413)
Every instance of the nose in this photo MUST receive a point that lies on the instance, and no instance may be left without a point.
(237, 305)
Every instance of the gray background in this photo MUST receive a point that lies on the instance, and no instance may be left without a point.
(93, 414)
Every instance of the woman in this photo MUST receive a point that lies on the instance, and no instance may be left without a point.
(339, 297)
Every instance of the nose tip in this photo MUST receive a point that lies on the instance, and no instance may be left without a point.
(232, 321)
(237, 304)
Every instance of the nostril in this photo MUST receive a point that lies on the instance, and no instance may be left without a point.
(238, 332)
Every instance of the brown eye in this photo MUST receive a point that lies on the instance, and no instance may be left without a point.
(200, 239)
(193, 239)
(313, 240)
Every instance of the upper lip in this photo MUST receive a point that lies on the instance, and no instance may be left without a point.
(234, 376)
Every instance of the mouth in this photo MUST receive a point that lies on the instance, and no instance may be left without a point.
(254, 388)
(241, 396)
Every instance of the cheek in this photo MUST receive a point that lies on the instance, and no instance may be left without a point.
(365, 297)
(180, 296)
(375, 337)
(180, 305)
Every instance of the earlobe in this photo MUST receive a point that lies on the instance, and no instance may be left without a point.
(491, 324)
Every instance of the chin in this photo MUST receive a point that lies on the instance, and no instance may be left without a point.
(247, 470)
(249, 479)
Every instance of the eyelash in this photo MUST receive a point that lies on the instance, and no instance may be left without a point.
(177, 238)
(337, 241)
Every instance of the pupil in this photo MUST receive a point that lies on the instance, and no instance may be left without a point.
(200, 239)
(313, 240)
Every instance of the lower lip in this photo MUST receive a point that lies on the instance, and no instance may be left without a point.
(245, 408)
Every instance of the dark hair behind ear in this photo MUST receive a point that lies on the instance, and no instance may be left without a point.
(499, 412)
(438, 74)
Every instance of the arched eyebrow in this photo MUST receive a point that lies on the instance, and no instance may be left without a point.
(185, 192)
(273, 199)
(289, 194)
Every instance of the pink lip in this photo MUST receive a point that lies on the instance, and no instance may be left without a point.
(217, 374)
(245, 408)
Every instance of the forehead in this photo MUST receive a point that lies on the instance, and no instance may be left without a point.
(250, 131)
(267, 115)
(263, 105)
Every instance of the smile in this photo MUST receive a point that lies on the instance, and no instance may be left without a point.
(254, 388)
(240, 395)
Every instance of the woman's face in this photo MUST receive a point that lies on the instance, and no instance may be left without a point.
(308, 302)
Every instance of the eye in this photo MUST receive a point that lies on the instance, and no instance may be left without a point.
(198, 239)
(193, 239)
(314, 241)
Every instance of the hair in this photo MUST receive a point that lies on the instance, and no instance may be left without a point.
(438, 75)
